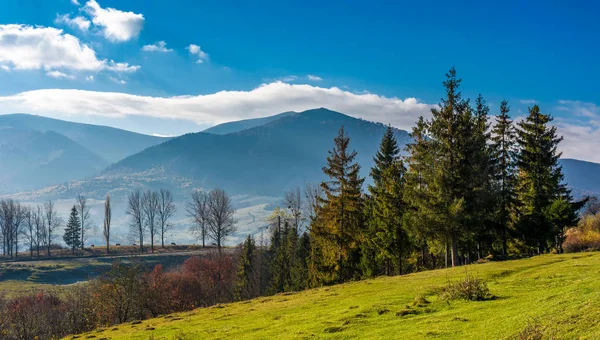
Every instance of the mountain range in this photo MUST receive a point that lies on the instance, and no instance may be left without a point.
(255, 157)
(36, 151)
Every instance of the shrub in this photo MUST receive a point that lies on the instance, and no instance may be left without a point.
(470, 288)
(534, 331)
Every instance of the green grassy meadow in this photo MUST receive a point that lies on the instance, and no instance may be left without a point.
(554, 295)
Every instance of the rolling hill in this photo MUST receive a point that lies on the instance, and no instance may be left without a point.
(544, 297)
(109, 143)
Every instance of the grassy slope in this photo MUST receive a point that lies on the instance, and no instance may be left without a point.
(560, 292)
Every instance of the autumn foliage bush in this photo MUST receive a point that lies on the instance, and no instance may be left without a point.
(586, 236)
(125, 293)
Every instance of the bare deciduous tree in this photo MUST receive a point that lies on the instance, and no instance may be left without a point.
(30, 234)
(150, 204)
(107, 218)
(40, 229)
(12, 216)
(221, 222)
(197, 209)
(293, 201)
(166, 209)
(84, 215)
(135, 209)
(312, 192)
(52, 222)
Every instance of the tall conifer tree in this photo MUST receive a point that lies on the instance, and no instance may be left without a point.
(504, 158)
(385, 229)
(540, 177)
(449, 145)
(246, 286)
(419, 192)
(72, 235)
(340, 228)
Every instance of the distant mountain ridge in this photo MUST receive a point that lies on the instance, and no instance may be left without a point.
(583, 177)
(112, 144)
(32, 159)
(236, 126)
(36, 152)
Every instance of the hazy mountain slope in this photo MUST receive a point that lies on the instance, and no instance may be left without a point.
(583, 177)
(107, 142)
(230, 127)
(33, 159)
(263, 160)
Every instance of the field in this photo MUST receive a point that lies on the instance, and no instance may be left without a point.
(554, 295)
(31, 275)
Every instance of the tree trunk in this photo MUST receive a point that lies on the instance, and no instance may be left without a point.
(504, 242)
(454, 249)
(399, 263)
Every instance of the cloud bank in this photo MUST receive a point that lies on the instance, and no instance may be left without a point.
(219, 107)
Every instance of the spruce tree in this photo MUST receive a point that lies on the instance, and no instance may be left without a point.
(385, 229)
(246, 286)
(540, 178)
(73, 230)
(280, 259)
(504, 158)
(479, 196)
(299, 270)
(340, 228)
(420, 192)
(450, 147)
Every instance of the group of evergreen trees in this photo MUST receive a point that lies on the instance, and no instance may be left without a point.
(462, 190)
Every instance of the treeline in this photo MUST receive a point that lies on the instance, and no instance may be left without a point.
(36, 227)
(150, 213)
(463, 190)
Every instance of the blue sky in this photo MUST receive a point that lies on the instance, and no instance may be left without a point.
(377, 60)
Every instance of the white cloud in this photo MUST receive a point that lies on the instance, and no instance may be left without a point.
(118, 81)
(59, 75)
(5, 68)
(24, 47)
(314, 78)
(75, 2)
(117, 26)
(219, 107)
(528, 101)
(79, 22)
(580, 140)
(579, 108)
(90, 78)
(159, 46)
(197, 51)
